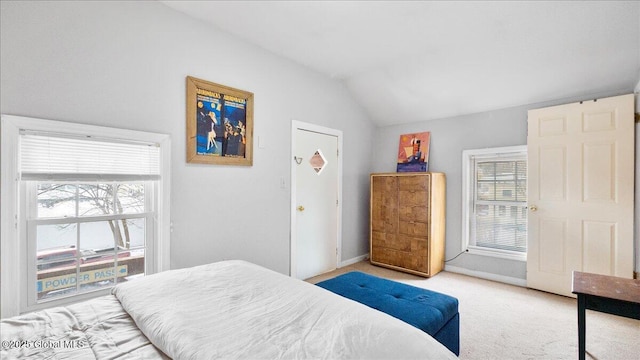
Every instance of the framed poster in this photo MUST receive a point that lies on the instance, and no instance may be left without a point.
(219, 124)
(413, 152)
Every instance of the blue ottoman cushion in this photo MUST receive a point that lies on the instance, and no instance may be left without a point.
(429, 311)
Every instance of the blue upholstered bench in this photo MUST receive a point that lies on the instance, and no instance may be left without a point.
(429, 311)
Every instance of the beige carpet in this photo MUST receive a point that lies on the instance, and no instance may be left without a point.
(500, 321)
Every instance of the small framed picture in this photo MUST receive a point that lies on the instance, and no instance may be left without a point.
(413, 152)
(219, 124)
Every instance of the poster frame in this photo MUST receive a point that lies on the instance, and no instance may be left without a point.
(213, 147)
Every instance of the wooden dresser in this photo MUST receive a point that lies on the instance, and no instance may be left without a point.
(407, 222)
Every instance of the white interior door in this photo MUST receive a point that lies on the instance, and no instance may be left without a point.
(316, 203)
(580, 191)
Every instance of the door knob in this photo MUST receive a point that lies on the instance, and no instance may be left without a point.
(533, 208)
(300, 208)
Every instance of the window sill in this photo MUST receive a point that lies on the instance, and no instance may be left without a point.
(502, 254)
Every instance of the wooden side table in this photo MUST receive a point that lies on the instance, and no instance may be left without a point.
(608, 294)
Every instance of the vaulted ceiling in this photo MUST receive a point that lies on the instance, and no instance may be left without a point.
(407, 61)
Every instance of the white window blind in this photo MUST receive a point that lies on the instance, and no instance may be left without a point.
(500, 202)
(49, 156)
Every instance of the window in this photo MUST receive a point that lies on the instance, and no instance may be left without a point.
(495, 202)
(90, 206)
(86, 235)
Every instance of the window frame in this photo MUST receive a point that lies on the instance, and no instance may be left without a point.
(14, 278)
(468, 191)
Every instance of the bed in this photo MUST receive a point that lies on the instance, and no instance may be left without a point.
(229, 309)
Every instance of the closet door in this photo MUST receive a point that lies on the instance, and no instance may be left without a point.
(581, 188)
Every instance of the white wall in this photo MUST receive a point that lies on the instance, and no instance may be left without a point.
(123, 64)
(505, 127)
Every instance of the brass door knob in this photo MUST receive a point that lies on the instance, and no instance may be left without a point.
(533, 208)
(300, 208)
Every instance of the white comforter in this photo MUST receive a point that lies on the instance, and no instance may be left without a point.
(235, 309)
(94, 329)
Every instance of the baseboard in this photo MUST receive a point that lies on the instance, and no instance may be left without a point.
(353, 260)
(488, 276)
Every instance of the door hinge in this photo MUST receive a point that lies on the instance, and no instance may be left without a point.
(336, 202)
(337, 152)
